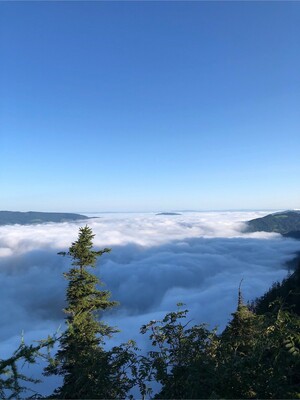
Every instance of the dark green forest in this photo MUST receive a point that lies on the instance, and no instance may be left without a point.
(34, 217)
(287, 223)
(257, 356)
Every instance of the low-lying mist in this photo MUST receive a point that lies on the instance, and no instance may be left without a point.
(156, 261)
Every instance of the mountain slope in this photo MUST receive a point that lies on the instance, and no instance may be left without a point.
(33, 217)
(287, 291)
(287, 223)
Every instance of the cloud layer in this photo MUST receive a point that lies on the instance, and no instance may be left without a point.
(156, 261)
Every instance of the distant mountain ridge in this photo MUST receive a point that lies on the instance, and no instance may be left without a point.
(168, 213)
(34, 217)
(287, 223)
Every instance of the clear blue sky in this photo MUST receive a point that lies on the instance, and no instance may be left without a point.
(149, 105)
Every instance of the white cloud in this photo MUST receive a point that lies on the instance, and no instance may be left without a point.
(156, 261)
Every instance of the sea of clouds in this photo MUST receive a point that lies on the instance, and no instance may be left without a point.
(197, 258)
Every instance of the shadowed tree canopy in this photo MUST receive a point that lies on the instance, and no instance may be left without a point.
(81, 359)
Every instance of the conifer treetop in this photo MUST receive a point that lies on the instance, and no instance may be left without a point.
(81, 250)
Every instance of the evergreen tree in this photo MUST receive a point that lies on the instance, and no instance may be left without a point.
(288, 290)
(11, 386)
(81, 360)
(258, 356)
(236, 372)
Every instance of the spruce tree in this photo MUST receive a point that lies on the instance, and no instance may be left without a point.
(259, 355)
(238, 354)
(81, 359)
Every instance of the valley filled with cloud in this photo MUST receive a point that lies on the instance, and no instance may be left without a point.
(197, 258)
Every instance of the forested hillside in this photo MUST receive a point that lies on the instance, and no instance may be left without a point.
(287, 223)
(287, 291)
(33, 217)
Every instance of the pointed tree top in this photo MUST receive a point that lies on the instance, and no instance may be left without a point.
(240, 296)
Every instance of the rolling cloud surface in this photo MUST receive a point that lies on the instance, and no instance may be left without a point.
(156, 261)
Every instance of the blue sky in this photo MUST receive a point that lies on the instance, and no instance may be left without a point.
(124, 106)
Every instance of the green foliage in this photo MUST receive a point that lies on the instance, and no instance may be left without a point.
(236, 368)
(280, 353)
(10, 377)
(184, 360)
(88, 370)
(285, 222)
(288, 290)
(256, 356)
